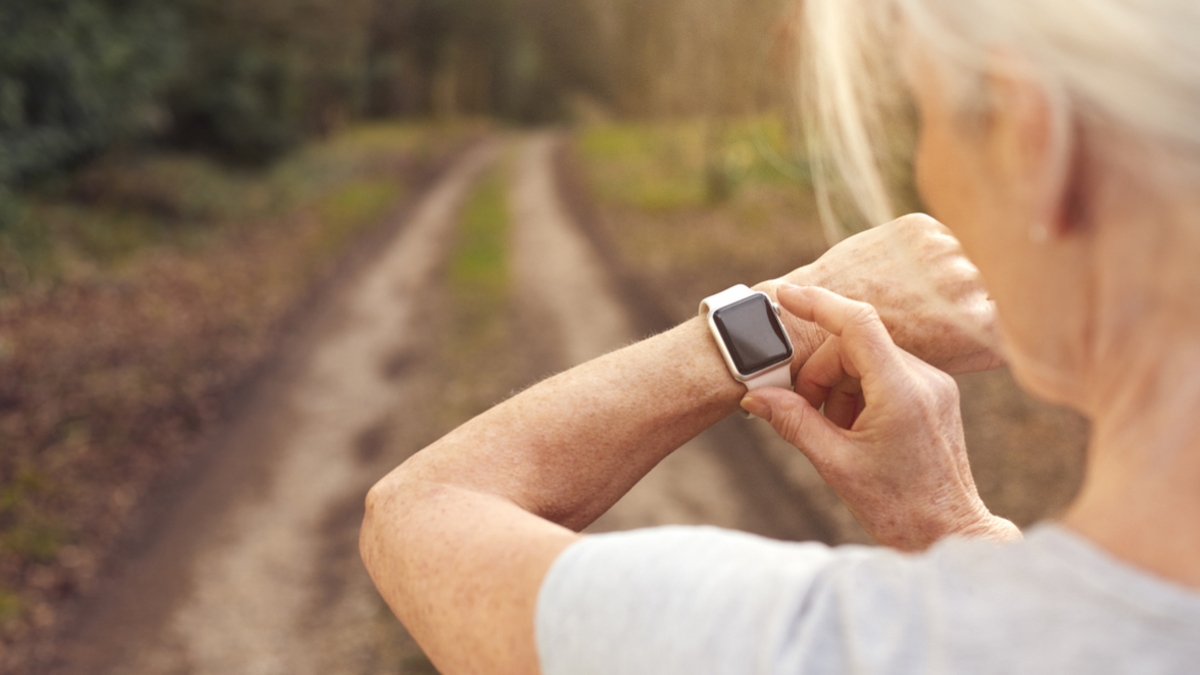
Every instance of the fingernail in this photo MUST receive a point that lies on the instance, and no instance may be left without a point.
(757, 407)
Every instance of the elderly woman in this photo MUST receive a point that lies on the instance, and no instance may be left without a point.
(1059, 141)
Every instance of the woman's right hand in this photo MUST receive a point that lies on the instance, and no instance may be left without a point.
(894, 453)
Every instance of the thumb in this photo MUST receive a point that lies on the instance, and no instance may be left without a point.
(796, 421)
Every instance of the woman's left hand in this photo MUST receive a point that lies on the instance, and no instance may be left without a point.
(890, 442)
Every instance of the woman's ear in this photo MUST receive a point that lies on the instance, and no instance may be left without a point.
(1031, 146)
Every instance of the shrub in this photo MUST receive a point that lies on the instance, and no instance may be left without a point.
(78, 75)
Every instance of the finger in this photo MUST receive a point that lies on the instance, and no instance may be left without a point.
(844, 403)
(866, 347)
(833, 312)
(797, 422)
(821, 372)
(823, 380)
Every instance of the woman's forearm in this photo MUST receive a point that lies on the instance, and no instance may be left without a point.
(568, 448)
(459, 537)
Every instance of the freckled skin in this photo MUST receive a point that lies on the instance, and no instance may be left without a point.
(459, 537)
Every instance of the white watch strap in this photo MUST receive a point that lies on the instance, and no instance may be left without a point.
(726, 297)
(779, 376)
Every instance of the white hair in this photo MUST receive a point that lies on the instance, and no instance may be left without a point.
(1133, 65)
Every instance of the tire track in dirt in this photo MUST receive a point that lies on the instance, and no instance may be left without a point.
(721, 477)
(234, 584)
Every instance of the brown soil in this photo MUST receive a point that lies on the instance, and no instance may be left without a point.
(248, 570)
(108, 383)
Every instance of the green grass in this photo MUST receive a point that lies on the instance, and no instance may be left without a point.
(478, 271)
(655, 167)
(121, 205)
(478, 284)
(356, 206)
(694, 208)
(667, 166)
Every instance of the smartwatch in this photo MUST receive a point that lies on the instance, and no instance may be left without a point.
(751, 337)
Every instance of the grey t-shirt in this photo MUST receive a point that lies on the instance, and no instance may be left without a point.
(699, 600)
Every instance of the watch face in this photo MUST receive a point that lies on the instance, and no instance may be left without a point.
(753, 335)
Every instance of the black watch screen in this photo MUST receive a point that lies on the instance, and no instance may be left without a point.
(752, 334)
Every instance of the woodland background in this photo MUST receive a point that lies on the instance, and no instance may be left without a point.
(249, 80)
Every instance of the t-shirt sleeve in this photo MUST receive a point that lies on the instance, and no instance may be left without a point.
(695, 600)
(703, 601)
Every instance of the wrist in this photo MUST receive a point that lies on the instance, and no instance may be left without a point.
(707, 373)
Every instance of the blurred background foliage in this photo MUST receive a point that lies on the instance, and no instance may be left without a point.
(249, 80)
(76, 75)
(223, 86)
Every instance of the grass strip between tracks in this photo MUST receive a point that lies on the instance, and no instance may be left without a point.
(476, 354)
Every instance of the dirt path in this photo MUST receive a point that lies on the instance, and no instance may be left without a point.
(231, 584)
(254, 570)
